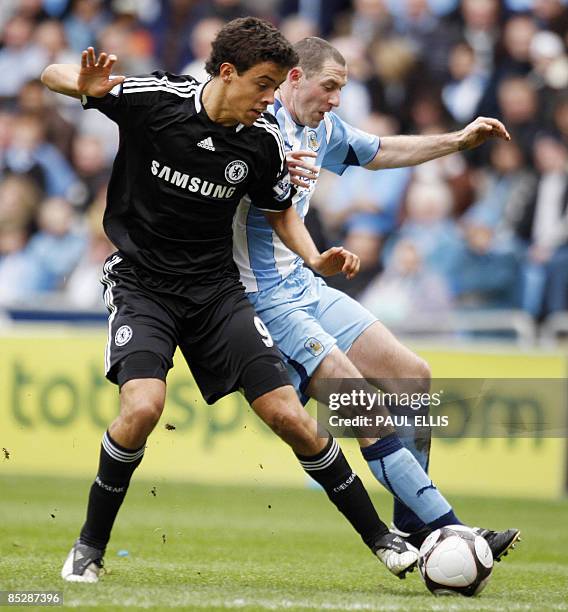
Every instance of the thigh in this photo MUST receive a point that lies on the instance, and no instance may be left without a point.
(138, 320)
(380, 357)
(234, 350)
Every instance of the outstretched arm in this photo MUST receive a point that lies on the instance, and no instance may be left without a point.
(293, 233)
(399, 151)
(92, 78)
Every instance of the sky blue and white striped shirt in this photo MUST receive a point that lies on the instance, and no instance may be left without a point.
(261, 257)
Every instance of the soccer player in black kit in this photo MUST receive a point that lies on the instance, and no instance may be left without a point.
(188, 153)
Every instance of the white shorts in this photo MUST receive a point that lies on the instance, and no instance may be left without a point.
(306, 319)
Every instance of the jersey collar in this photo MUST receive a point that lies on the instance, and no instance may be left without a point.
(199, 93)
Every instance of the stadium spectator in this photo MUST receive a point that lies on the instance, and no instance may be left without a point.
(135, 55)
(93, 171)
(430, 227)
(10, 164)
(503, 191)
(512, 59)
(34, 100)
(172, 29)
(296, 27)
(463, 92)
(57, 247)
(19, 274)
(29, 151)
(408, 289)
(518, 32)
(481, 29)
(86, 19)
(431, 38)
(20, 58)
(452, 170)
(200, 42)
(550, 71)
(356, 100)
(50, 36)
(19, 200)
(544, 227)
(31, 9)
(518, 103)
(369, 21)
(396, 68)
(83, 288)
(486, 275)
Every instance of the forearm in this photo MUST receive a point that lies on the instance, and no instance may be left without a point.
(63, 79)
(400, 151)
(293, 233)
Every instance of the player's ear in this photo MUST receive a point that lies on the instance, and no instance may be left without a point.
(227, 71)
(295, 75)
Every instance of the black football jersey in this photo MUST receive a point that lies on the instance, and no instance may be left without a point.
(178, 176)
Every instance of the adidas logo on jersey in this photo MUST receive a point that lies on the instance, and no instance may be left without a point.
(206, 143)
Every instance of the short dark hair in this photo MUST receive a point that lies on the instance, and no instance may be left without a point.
(313, 52)
(248, 41)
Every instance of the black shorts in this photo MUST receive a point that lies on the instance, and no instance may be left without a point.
(223, 341)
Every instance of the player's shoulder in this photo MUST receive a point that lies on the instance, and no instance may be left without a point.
(267, 119)
(266, 129)
(336, 128)
(161, 82)
(165, 77)
(334, 121)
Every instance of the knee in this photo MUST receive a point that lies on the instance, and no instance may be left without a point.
(415, 376)
(144, 415)
(423, 375)
(141, 409)
(286, 417)
(148, 413)
(290, 424)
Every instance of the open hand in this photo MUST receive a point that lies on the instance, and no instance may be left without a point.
(480, 130)
(95, 78)
(335, 260)
(301, 170)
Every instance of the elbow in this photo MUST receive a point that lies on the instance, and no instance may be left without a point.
(46, 76)
(50, 77)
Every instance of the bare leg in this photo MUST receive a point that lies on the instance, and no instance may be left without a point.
(141, 405)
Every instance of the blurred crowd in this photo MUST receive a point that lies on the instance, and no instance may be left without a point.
(477, 230)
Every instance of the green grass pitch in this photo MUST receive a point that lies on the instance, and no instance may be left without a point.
(198, 547)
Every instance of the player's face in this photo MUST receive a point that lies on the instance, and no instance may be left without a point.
(253, 90)
(319, 94)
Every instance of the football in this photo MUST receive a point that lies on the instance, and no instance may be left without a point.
(454, 560)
